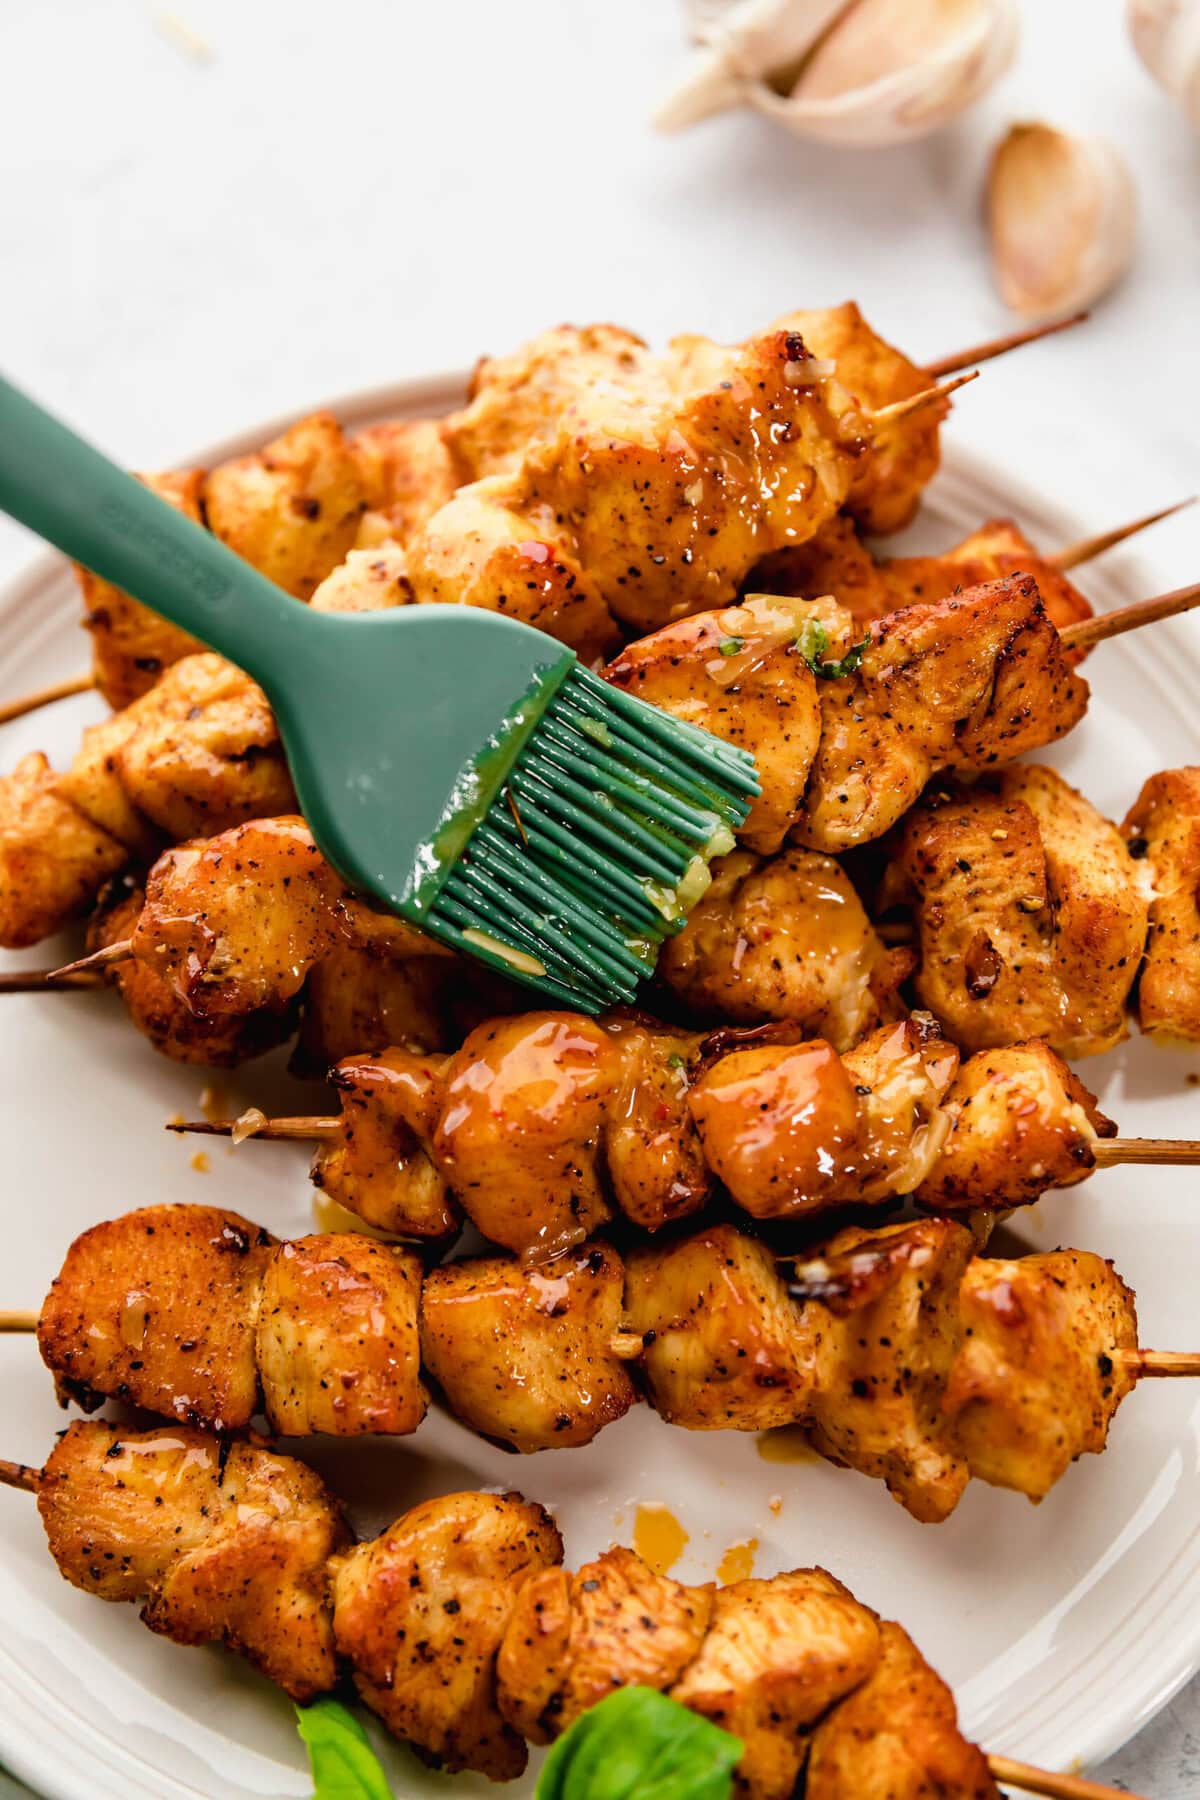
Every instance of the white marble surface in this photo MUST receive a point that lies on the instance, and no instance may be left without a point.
(345, 194)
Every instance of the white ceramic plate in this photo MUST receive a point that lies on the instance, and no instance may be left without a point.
(1062, 1627)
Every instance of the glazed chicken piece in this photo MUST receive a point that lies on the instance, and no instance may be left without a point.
(665, 490)
(155, 1009)
(407, 472)
(376, 1164)
(886, 487)
(198, 753)
(888, 1336)
(960, 684)
(739, 674)
(573, 1639)
(158, 1307)
(896, 1737)
(725, 1348)
(837, 562)
(195, 1313)
(1037, 1381)
(485, 548)
(536, 1119)
(421, 1612)
(53, 860)
(1029, 912)
(795, 1128)
(525, 1356)
(226, 1542)
(519, 399)
(785, 938)
(337, 1341)
(370, 580)
(1162, 829)
(131, 646)
(291, 509)
(1021, 1121)
(777, 1656)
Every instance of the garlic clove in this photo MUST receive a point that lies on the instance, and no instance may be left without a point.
(891, 70)
(1062, 215)
(743, 42)
(1166, 35)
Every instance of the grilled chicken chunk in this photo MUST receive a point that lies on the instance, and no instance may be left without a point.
(155, 1009)
(884, 1353)
(1029, 912)
(53, 860)
(1020, 1121)
(885, 489)
(1036, 1382)
(896, 1737)
(725, 1348)
(573, 1639)
(794, 1129)
(337, 1341)
(167, 1324)
(377, 1165)
(960, 684)
(785, 938)
(407, 472)
(739, 674)
(778, 1654)
(292, 509)
(484, 548)
(837, 562)
(525, 1355)
(131, 646)
(226, 1542)
(421, 1612)
(1162, 829)
(370, 580)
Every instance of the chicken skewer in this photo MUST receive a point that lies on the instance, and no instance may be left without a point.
(1012, 340)
(467, 1637)
(540, 1125)
(1008, 542)
(903, 1352)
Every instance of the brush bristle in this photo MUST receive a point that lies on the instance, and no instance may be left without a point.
(596, 847)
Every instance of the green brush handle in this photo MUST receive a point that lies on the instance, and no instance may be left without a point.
(71, 495)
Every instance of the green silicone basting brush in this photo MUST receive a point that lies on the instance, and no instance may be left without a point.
(455, 766)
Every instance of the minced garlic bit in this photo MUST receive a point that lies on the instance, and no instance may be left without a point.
(517, 959)
(246, 1124)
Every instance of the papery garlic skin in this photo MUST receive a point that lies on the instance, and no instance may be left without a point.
(1166, 35)
(742, 44)
(922, 62)
(1062, 216)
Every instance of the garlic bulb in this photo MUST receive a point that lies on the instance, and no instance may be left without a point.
(1062, 216)
(857, 72)
(1166, 35)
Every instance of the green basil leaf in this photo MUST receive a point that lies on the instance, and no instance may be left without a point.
(639, 1745)
(812, 642)
(344, 1766)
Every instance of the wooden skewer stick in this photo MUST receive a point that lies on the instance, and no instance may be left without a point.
(309, 1127)
(49, 981)
(58, 690)
(19, 1475)
(1146, 1150)
(1044, 1781)
(903, 409)
(18, 1321)
(1089, 548)
(1167, 1364)
(627, 1345)
(119, 952)
(965, 359)
(1129, 618)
